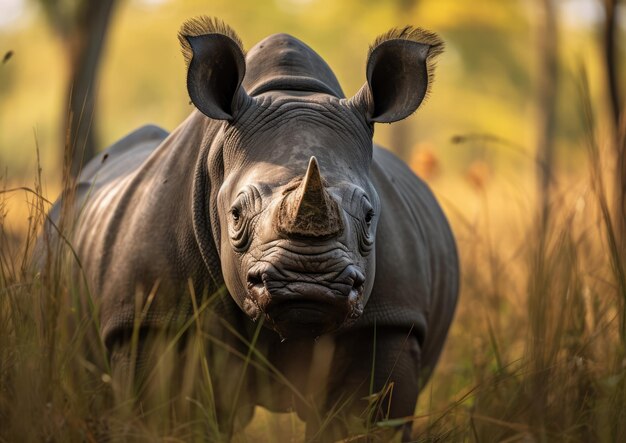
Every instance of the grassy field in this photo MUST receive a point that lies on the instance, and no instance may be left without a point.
(536, 352)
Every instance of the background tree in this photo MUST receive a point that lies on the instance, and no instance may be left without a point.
(548, 71)
(616, 105)
(82, 27)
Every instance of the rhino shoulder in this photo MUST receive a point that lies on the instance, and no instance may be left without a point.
(412, 203)
(392, 175)
(146, 136)
(113, 162)
(416, 282)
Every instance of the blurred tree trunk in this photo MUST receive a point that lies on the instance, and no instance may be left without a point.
(611, 58)
(82, 27)
(546, 101)
(547, 84)
(620, 186)
(611, 31)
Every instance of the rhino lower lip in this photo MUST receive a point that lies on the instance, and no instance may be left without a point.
(312, 313)
(306, 308)
(266, 287)
(295, 292)
(294, 301)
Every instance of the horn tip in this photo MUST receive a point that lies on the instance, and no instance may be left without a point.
(313, 170)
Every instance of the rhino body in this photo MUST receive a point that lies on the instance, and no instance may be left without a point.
(232, 198)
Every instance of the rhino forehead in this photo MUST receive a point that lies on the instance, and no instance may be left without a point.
(287, 130)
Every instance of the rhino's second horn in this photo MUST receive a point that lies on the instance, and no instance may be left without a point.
(308, 210)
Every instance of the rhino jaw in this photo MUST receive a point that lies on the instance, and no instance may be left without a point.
(300, 304)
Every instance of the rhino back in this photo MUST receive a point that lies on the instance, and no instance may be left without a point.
(115, 162)
(123, 156)
(416, 281)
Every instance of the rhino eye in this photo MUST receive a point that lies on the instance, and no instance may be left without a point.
(246, 207)
(366, 238)
(235, 213)
(239, 229)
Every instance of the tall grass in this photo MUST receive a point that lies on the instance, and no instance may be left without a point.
(537, 352)
(546, 317)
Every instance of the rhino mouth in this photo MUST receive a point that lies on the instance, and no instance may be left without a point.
(301, 303)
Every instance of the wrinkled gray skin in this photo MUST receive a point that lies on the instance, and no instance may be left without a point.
(204, 203)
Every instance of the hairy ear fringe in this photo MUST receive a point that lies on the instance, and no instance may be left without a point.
(417, 35)
(204, 25)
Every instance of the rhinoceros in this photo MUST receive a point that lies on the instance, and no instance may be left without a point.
(272, 195)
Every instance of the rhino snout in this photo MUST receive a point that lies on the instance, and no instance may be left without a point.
(302, 302)
(277, 283)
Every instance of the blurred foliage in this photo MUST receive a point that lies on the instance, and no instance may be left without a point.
(484, 83)
(82, 27)
(64, 15)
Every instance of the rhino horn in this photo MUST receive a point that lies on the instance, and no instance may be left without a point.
(309, 210)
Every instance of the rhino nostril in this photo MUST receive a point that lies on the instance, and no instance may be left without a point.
(359, 280)
(255, 279)
(353, 279)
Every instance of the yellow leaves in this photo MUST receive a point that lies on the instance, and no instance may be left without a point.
(424, 162)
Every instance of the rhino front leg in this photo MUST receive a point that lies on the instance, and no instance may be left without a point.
(356, 396)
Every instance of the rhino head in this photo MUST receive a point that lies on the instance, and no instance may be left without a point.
(293, 208)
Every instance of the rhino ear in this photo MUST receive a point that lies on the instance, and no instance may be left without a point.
(216, 67)
(399, 72)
